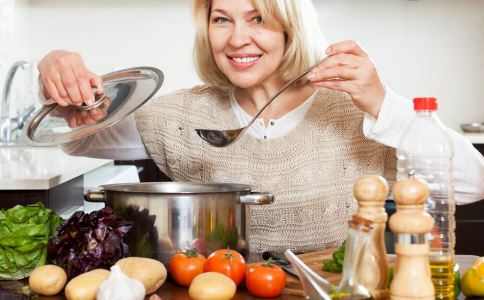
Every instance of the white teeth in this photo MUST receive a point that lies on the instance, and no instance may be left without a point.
(245, 59)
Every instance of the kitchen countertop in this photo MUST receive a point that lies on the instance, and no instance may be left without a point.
(41, 168)
(475, 138)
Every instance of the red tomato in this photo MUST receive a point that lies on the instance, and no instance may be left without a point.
(265, 280)
(184, 266)
(228, 262)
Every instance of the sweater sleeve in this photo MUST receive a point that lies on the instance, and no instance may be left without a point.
(396, 114)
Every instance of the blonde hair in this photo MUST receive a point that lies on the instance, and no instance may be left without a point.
(305, 44)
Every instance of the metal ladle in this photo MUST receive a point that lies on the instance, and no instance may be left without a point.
(222, 138)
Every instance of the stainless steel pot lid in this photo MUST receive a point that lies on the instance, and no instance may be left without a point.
(177, 187)
(124, 92)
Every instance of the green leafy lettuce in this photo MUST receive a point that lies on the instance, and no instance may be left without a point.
(24, 234)
(336, 264)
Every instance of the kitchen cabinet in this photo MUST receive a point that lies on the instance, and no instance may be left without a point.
(64, 198)
(44, 174)
(470, 218)
(469, 227)
(147, 169)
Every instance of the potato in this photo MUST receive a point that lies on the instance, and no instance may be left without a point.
(85, 286)
(150, 272)
(212, 286)
(47, 280)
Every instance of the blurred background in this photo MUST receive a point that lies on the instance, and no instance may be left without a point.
(421, 48)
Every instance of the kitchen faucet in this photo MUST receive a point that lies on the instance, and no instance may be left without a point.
(9, 125)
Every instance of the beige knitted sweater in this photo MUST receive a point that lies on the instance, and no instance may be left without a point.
(310, 170)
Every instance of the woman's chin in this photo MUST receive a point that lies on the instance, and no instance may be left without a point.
(244, 84)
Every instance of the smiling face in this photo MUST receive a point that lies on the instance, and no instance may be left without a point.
(245, 49)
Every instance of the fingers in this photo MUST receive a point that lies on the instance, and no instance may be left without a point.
(86, 81)
(341, 59)
(350, 69)
(335, 73)
(66, 79)
(340, 66)
(90, 117)
(97, 82)
(338, 85)
(86, 118)
(349, 47)
(69, 82)
(71, 119)
(53, 93)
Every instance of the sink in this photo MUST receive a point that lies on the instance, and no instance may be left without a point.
(18, 141)
(14, 144)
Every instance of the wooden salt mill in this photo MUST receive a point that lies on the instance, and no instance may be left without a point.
(371, 192)
(411, 225)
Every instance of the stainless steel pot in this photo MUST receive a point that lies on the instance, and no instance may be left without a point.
(169, 216)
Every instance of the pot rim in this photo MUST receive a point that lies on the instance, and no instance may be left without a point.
(177, 187)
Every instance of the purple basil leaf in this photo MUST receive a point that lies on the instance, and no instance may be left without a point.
(89, 241)
(100, 232)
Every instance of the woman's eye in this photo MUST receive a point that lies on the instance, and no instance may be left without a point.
(221, 20)
(258, 19)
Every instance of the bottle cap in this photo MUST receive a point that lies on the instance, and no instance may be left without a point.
(425, 103)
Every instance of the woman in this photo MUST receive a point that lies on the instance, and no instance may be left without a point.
(308, 148)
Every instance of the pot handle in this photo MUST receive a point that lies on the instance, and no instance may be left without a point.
(95, 196)
(257, 198)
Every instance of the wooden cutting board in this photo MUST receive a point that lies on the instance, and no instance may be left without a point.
(313, 260)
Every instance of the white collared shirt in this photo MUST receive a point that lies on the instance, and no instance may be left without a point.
(275, 127)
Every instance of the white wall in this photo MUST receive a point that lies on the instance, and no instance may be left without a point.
(421, 48)
(18, 48)
(113, 34)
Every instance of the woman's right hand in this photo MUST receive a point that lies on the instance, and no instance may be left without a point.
(77, 118)
(66, 79)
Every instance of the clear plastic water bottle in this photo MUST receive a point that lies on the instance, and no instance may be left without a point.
(425, 152)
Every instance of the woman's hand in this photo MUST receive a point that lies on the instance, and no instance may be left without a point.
(66, 79)
(351, 70)
(77, 118)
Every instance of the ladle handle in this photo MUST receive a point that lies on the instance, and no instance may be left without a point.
(289, 83)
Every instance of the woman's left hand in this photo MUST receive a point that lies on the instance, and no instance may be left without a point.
(351, 70)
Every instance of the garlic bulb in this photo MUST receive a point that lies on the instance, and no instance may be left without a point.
(120, 287)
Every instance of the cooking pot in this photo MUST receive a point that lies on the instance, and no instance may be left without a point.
(170, 216)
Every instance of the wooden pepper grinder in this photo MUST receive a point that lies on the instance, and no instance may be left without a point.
(371, 192)
(411, 225)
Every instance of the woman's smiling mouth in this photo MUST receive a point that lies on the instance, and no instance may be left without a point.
(244, 61)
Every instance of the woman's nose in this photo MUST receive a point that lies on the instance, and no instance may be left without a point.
(240, 36)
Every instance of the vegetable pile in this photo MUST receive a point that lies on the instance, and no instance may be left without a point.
(218, 275)
(24, 235)
(89, 241)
